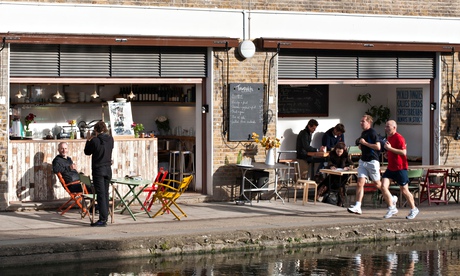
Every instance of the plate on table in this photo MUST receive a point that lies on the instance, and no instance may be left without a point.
(249, 166)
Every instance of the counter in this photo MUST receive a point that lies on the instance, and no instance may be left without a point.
(30, 164)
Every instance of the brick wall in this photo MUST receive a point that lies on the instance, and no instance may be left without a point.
(449, 8)
(450, 148)
(253, 70)
(4, 112)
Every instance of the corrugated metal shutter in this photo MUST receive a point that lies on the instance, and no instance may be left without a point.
(298, 67)
(85, 61)
(135, 62)
(355, 65)
(416, 68)
(337, 67)
(34, 60)
(178, 64)
(377, 67)
(106, 61)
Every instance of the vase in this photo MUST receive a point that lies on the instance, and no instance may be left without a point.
(270, 159)
(28, 133)
(136, 134)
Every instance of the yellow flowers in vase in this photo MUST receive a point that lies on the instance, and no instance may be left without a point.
(269, 145)
(266, 142)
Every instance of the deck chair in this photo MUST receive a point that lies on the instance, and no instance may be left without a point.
(415, 178)
(90, 200)
(434, 188)
(168, 195)
(161, 176)
(75, 197)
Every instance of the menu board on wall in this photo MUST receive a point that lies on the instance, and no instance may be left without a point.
(409, 106)
(245, 106)
(305, 101)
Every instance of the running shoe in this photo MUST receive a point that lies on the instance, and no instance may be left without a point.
(355, 210)
(413, 213)
(391, 212)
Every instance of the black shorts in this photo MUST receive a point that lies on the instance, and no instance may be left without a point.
(399, 177)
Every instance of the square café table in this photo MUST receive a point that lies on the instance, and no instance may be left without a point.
(131, 195)
(252, 186)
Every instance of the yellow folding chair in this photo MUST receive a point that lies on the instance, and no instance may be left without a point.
(167, 194)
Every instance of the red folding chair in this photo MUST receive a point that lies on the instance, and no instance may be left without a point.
(153, 189)
(434, 189)
(75, 197)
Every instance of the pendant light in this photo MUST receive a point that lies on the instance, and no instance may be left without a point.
(131, 94)
(57, 95)
(95, 95)
(19, 94)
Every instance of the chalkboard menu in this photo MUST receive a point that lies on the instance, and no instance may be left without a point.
(305, 101)
(245, 105)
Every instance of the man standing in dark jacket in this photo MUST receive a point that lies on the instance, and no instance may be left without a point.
(99, 144)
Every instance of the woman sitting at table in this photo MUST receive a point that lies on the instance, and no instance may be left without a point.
(338, 159)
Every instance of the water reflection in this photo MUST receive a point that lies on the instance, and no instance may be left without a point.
(414, 257)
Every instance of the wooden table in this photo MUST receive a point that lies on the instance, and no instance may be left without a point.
(339, 172)
(318, 157)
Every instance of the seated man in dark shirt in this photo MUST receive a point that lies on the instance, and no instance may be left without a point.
(333, 136)
(303, 145)
(63, 164)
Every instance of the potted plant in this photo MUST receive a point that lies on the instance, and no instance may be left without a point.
(380, 113)
(137, 129)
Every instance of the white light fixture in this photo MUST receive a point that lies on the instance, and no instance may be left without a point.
(131, 94)
(247, 49)
(95, 95)
(57, 95)
(19, 94)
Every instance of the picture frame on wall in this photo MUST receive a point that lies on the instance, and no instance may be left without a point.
(121, 118)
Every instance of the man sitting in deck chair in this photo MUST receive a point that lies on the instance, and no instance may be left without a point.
(63, 164)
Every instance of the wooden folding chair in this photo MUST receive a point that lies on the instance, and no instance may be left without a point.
(168, 195)
(161, 176)
(90, 200)
(434, 189)
(75, 197)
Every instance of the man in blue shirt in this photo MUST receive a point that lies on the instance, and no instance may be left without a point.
(333, 136)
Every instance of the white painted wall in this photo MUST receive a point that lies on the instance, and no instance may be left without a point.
(165, 21)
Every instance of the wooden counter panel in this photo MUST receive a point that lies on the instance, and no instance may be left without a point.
(32, 177)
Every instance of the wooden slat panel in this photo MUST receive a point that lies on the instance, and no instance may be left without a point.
(32, 179)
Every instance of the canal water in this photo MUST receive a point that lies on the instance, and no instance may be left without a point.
(439, 256)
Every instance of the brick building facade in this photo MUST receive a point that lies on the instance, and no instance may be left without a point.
(258, 70)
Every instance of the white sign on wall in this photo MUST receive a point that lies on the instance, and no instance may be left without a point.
(121, 118)
(409, 106)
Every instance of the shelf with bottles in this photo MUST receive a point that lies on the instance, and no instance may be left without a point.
(159, 93)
